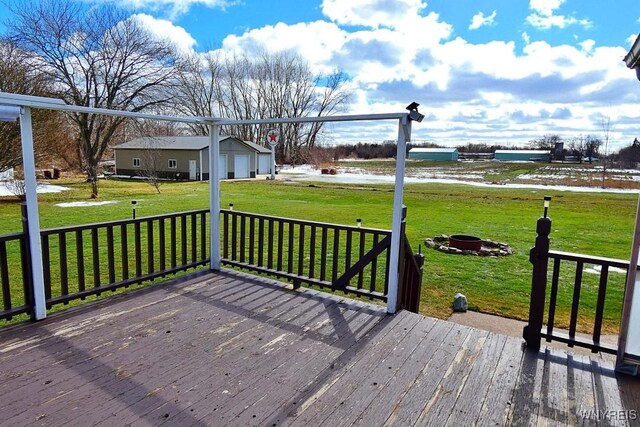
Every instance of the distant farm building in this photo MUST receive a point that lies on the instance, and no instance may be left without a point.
(450, 154)
(187, 157)
(523, 155)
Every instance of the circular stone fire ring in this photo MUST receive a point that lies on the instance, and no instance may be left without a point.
(468, 245)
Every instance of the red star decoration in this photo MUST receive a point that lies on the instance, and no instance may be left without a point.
(273, 136)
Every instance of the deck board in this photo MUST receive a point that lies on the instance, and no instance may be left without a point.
(231, 349)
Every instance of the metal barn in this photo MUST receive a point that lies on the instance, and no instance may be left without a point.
(443, 154)
(523, 155)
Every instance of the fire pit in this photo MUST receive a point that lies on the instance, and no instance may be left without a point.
(465, 243)
(468, 245)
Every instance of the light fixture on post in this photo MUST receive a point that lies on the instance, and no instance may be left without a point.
(547, 202)
(230, 206)
(358, 222)
(413, 112)
(133, 205)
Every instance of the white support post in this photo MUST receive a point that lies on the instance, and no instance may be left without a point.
(33, 219)
(629, 336)
(214, 196)
(404, 134)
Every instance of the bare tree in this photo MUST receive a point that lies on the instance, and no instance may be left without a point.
(96, 57)
(17, 75)
(152, 164)
(265, 86)
(605, 122)
(577, 147)
(630, 155)
(552, 143)
(591, 147)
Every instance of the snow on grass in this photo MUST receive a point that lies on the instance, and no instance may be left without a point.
(42, 188)
(84, 204)
(309, 173)
(597, 269)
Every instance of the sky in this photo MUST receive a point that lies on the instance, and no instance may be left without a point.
(483, 71)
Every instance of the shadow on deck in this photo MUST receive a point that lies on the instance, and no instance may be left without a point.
(231, 349)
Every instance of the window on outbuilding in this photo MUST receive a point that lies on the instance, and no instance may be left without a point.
(173, 164)
(136, 162)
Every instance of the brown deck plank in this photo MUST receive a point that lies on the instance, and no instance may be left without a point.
(580, 393)
(525, 404)
(440, 405)
(313, 408)
(409, 406)
(306, 358)
(498, 400)
(375, 380)
(553, 391)
(288, 404)
(471, 398)
(387, 398)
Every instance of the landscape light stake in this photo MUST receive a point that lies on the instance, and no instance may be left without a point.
(133, 205)
(358, 222)
(547, 202)
(230, 206)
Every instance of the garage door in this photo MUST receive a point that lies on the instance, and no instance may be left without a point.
(264, 161)
(222, 166)
(241, 166)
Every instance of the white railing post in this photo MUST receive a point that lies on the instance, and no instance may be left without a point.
(404, 135)
(33, 219)
(214, 196)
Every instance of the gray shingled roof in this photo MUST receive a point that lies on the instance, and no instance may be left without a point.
(179, 143)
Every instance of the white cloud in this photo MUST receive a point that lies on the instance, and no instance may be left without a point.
(544, 17)
(480, 20)
(545, 7)
(587, 45)
(165, 30)
(526, 38)
(316, 41)
(372, 13)
(544, 22)
(174, 8)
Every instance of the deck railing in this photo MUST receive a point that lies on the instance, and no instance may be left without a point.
(410, 280)
(337, 257)
(89, 259)
(85, 260)
(566, 265)
(14, 267)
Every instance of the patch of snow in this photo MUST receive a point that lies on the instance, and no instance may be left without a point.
(42, 188)
(596, 269)
(84, 204)
(308, 173)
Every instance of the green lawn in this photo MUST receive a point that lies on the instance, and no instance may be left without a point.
(596, 224)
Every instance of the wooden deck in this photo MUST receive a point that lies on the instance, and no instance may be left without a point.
(229, 349)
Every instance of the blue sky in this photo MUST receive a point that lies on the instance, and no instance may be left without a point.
(494, 71)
